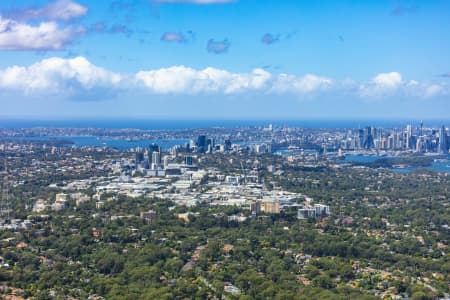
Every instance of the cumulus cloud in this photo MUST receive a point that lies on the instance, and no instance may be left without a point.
(73, 78)
(41, 28)
(184, 80)
(218, 47)
(270, 39)
(44, 36)
(381, 85)
(59, 10)
(79, 79)
(424, 89)
(180, 79)
(390, 84)
(388, 80)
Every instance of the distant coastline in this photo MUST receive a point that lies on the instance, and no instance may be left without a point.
(161, 124)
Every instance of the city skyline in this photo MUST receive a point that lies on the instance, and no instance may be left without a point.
(206, 59)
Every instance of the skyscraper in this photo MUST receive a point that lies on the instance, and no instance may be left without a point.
(361, 138)
(227, 144)
(151, 149)
(443, 140)
(408, 136)
(156, 160)
(202, 143)
(368, 137)
(139, 157)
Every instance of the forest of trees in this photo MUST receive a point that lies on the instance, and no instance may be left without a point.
(388, 233)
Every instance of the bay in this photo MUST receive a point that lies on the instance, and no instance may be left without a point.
(439, 165)
(90, 141)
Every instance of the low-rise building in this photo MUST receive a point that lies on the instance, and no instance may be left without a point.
(270, 207)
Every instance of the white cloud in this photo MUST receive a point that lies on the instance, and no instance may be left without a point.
(309, 83)
(80, 79)
(425, 90)
(386, 85)
(75, 77)
(180, 79)
(59, 10)
(382, 85)
(45, 36)
(388, 80)
(434, 90)
(64, 10)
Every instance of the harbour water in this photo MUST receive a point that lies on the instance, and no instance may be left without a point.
(439, 165)
(91, 141)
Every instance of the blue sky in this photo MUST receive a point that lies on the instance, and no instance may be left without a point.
(258, 59)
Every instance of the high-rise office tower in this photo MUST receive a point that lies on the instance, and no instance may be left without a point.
(443, 140)
(408, 135)
(152, 149)
(368, 138)
(202, 145)
(156, 160)
(227, 144)
(139, 157)
(361, 138)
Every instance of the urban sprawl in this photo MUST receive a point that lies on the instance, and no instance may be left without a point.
(296, 177)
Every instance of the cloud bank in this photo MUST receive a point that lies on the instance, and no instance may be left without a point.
(186, 80)
(392, 84)
(77, 78)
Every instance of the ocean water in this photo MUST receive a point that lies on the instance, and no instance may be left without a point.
(152, 124)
